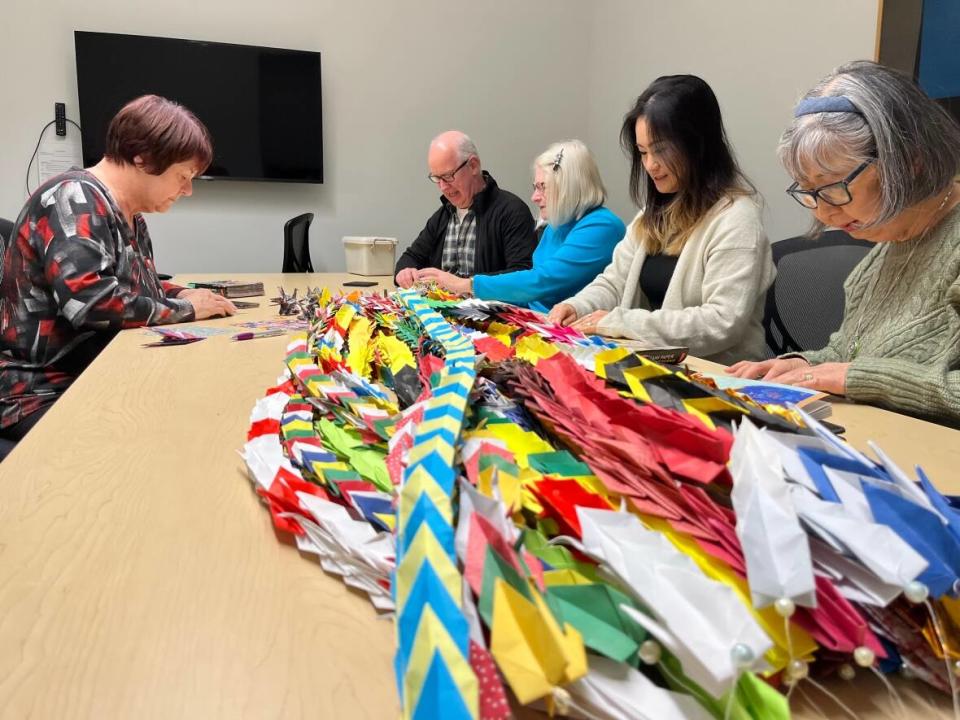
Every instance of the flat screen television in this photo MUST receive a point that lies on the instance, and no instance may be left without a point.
(261, 105)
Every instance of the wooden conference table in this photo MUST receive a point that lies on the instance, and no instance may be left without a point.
(140, 575)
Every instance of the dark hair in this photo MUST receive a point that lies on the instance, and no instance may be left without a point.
(682, 113)
(161, 132)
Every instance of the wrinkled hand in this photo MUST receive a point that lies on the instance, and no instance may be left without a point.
(406, 277)
(589, 322)
(562, 314)
(766, 369)
(825, 377)
(448, 281)
(207, 304)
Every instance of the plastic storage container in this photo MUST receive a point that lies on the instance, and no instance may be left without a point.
(370, 255)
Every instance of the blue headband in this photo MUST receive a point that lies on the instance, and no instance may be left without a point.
(828, 103)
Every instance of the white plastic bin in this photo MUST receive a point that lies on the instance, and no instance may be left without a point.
(370, 255)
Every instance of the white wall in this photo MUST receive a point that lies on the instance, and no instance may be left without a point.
(759, 56)
(516, 75)
(394, 75)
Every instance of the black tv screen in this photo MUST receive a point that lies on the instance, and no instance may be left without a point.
(261, 105)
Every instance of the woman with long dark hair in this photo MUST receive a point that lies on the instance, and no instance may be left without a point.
(695, 264)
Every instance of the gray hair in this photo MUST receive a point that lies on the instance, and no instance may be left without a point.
(914, 143)
(466, 149)
(574, 187)
(459, 142)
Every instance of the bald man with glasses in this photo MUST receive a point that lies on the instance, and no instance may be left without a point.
(479, 228)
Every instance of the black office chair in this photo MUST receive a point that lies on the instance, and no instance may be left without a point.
(805, 303)
(6, 229)
(296, 244)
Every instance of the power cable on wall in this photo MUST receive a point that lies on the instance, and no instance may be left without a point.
(37, 149)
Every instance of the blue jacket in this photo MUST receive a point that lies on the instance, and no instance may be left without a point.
(566, 260)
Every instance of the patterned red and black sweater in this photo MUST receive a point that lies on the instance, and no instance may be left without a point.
(72, 274)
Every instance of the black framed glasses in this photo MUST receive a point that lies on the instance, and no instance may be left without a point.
(448, 178)
(835, 194)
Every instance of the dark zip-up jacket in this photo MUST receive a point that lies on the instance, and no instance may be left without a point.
(505, 235)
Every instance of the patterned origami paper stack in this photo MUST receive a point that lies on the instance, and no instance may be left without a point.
(432, 663)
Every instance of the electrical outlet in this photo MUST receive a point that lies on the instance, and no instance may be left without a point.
(60, 116)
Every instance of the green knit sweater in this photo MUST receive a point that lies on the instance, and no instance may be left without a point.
(901, 326)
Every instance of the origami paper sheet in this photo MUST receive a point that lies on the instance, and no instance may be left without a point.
(924, 532)
(614, 691)
(264, 458)
(800, 642)
(909, 488)
(432, 666)
(358, 357)
(774, 545)
(483, 538)
(554, 555)
(439, 681)
(530, 648)
(562, 499)
(559, 462)
(594, 610)
(698, 619)
(496, 568)
(940, 505)
(876, 546)
(851, 579)
(533, 349)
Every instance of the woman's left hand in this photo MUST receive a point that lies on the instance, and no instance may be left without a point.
(206, 303)
(589, 322)
(827, 377)
(448, 281)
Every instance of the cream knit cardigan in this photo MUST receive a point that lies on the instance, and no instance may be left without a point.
(714, 302)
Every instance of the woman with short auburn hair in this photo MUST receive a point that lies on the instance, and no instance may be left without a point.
(577, 241)
(78, 265)
(695, 264)
(871, 154)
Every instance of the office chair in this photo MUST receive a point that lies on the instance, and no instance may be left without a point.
(6, 229)
(296, 244)
(805, 303)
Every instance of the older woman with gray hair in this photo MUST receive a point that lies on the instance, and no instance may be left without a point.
(874, 156)
(577, 243)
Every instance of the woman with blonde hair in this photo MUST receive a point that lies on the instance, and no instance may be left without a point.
(695, 265)
(576, 244)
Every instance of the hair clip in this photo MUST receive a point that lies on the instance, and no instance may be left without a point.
(557, 159)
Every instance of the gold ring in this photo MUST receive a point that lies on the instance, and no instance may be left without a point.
(808, 376)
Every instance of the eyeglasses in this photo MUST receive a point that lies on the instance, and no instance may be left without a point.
(835, 194)
(448, 178)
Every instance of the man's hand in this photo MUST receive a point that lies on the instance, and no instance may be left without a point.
(406, 277)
